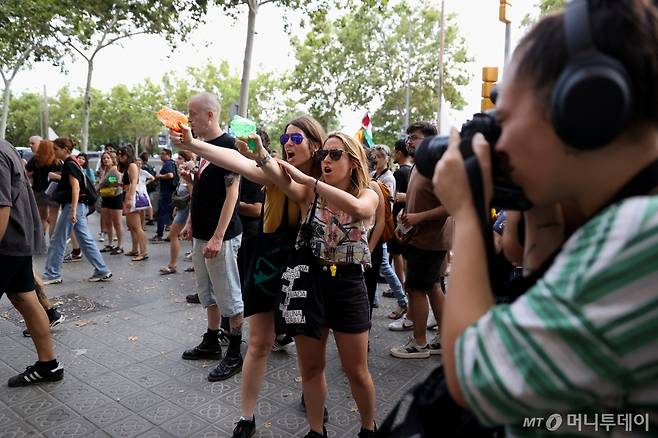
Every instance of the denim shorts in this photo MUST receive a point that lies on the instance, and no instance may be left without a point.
(218, 278)
(181, 215)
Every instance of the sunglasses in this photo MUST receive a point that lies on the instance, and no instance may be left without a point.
(295, 138)
(414, 138)
(334, 154)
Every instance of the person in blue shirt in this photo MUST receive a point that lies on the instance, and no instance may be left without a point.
(167, 187)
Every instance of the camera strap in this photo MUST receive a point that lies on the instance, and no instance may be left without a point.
(474, 173)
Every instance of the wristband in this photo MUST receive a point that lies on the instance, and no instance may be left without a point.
(263, 161)
(315, 187)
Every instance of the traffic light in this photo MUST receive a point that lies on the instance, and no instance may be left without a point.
(504, 10)
(489, 78)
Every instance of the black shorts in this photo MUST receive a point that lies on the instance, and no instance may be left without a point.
(18, 276)
(423, 268)
(256, 301)
(113, 202)
(345, 299)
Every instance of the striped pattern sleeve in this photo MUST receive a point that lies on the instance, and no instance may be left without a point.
(583, 337)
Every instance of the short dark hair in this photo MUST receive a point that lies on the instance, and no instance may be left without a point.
(144, 156)
(542, 53)
(83, 155)
(166, 151)
(110, 145)
(401, 146)
(428, 129)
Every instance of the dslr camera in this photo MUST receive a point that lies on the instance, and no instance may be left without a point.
(506, 194)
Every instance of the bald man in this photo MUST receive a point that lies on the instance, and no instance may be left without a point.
(34, 143)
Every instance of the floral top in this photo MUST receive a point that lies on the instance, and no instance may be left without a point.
(338, 238)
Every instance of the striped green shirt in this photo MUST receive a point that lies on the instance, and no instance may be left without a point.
(583, 340)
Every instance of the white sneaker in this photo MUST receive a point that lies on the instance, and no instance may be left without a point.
(101, 237)
(411, 350)
(401, 325)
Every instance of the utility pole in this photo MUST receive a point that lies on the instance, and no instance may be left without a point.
(407, 92)
(441, 71)
(45, 122)
(503, 16)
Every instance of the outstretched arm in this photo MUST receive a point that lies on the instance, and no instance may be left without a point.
(226, 158)
(361, 207)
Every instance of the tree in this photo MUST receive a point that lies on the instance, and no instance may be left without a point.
(545, 7)
(360, 61)
(24, 39)
(309, 7)
(96, 24)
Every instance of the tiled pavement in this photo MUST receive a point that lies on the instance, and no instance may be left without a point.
(124, 376)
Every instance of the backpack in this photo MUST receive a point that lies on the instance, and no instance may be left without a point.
(88, 195)
(389, 226)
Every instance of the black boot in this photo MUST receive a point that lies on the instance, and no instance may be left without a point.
(313, 434)
(366, 433)
(245, 428)
(209, 348)
(228, 367)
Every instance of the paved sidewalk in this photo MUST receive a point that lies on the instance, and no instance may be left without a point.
(121, 348)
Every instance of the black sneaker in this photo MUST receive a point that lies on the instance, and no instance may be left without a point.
(365, 433)
(223, 337)
(227, 368)
(313, 434)
(54, 317)
(193, 299)
(205, 350)
(280, 344)
(245, 428)
(35, 374)
(325, 417)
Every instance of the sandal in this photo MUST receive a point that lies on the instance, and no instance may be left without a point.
(189, 269)
(140, 257)
(131, 253)
(107, 248)
(165, 270)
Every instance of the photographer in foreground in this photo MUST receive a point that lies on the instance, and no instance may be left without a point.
(583, 338)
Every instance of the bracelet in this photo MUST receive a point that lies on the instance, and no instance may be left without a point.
(315, 187)
(262, 162)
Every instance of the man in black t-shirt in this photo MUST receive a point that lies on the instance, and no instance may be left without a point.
(217, 232)
(404, 161)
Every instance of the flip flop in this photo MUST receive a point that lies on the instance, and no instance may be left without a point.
(189, 269)
(131, 253)
(166, 270)
(140, 257)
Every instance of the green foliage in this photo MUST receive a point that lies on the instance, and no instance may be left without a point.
(125, 114)
(360, 61)
(545, 7)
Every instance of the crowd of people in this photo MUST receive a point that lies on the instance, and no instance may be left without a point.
(298, 243)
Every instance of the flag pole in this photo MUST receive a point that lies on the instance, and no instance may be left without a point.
(441, 70)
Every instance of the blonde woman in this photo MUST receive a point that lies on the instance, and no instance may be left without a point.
(111, 192)
(343, 216)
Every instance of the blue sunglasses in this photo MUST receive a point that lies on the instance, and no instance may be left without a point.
(295, 138)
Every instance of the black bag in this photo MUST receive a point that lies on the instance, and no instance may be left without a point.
(300, 303)
(434, 413)
(88, 195)
(180, 202)
(271, 255)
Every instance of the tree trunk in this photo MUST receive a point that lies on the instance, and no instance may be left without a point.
(5, 108)
(86, 107)
(246, 66)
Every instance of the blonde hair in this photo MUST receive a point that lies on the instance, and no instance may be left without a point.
(113, 159)
(360, 177)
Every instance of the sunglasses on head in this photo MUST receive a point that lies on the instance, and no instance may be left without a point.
(295, 138)
(334, 154)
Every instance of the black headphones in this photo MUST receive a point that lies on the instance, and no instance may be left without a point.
(592, 99)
